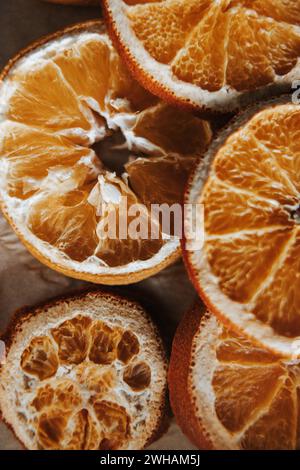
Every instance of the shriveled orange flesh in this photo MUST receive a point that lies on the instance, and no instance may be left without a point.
(83, 345)
(202, 60)
(60, 100)
(52, 108)
(244, 396)
(210, 44)
(207, 53)
(178, 134)
(252, 234)
(86, 381)
(149, 178)
(34, 156)
(256, 395)
(281, 10)
(86, 67)
(173, 130)
(163, 27)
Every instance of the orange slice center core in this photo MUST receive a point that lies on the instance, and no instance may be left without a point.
(294, 212)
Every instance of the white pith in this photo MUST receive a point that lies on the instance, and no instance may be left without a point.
(226, 98)
(238, 314)
(15, 399)
(125, 121)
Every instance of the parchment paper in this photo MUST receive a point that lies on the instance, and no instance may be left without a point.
(25, 281)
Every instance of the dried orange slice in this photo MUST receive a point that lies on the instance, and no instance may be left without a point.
(216, 55)
(228, 393)
(247, 270)
(69, 113)
(84, 373)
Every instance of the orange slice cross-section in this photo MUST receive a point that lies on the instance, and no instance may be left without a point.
(62, 100)
(84, 373)
(247, 270)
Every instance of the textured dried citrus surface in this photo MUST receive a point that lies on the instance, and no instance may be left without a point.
(209, 53)
(242, 396)
(248, 269)
(86, 373)
(57, 101)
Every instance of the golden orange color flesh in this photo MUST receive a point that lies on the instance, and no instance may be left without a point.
(215, 56)
(247, 270)
(60, 97)
(229, 393)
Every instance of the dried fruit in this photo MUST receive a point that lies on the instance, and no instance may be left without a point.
(138, 376)
(213, 55)
(128, 347)
(104, 343)
(98, 352)
(247, 269)
(40, 358)
(66, 105)
(116, 424)
(72, 338)
(229, 393)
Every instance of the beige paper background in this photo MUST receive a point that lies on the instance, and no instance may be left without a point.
(25, 281)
